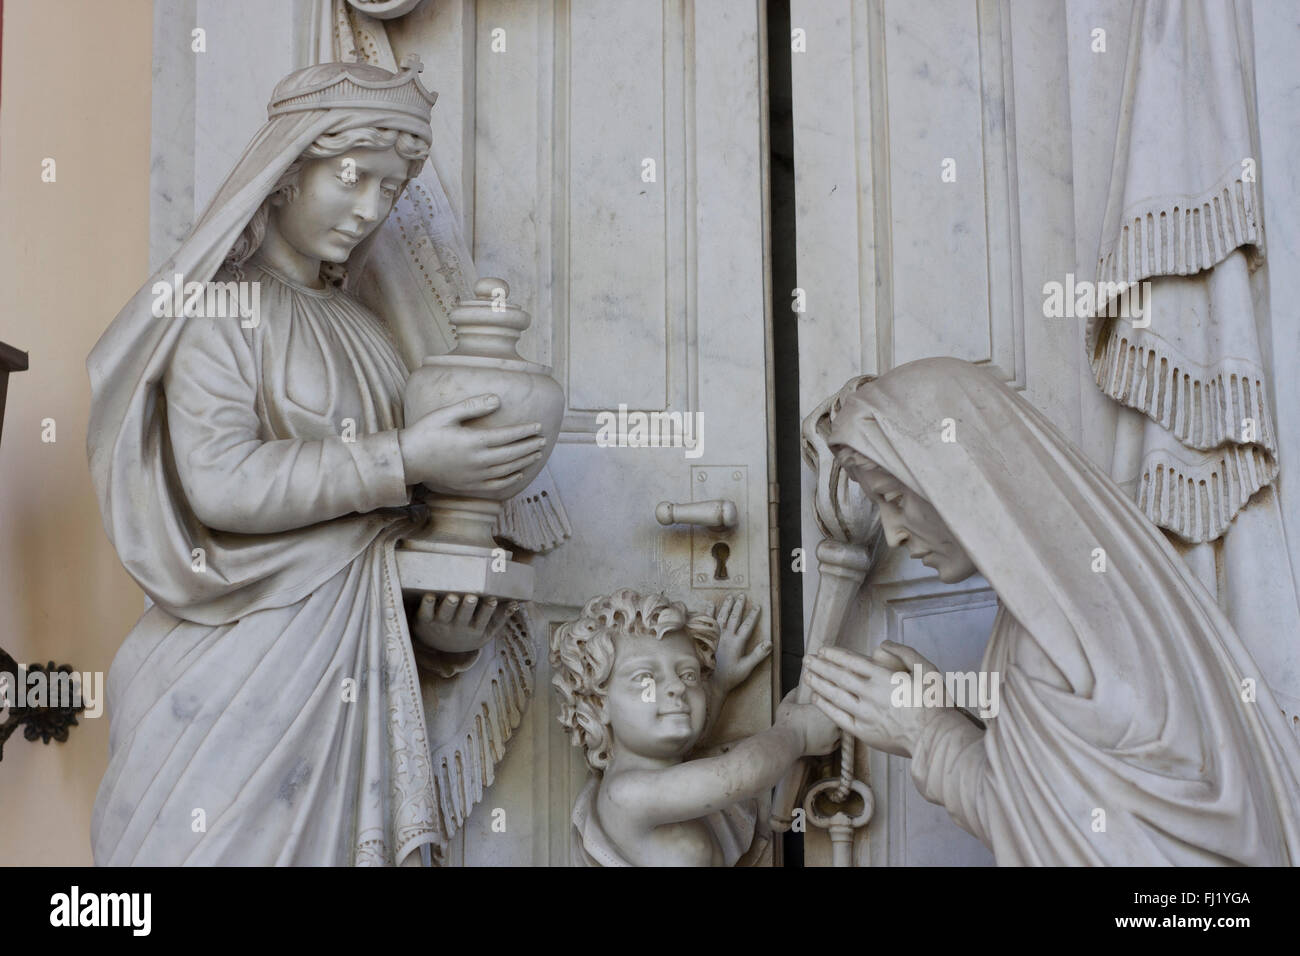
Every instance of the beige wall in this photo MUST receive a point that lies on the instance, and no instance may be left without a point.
(76, 87)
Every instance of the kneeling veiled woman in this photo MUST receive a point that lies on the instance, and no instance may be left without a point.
(1123, 690)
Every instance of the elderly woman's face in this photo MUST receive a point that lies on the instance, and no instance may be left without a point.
(912, 522)
(341, 200)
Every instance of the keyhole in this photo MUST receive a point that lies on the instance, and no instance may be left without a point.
(720, 552)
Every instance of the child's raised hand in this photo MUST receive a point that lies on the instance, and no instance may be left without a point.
(733, 664)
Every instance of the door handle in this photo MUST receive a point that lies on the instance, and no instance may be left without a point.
(718, 514)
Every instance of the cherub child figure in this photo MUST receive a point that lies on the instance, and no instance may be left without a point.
(641, 679)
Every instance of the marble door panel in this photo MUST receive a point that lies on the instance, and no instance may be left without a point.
(608, 159)
(932, 179)
(619, 183)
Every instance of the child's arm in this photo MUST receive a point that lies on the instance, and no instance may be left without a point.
(697, 788)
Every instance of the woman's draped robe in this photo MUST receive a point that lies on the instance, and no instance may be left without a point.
(294, 734)
(1038, 789)
(252, 633)
(1123, 688)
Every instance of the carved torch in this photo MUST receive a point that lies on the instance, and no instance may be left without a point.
(850, 525)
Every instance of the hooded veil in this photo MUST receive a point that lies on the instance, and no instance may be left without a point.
(1123, 690)
(144, 512)
(267, 708)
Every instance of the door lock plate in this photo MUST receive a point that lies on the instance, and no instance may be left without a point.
(721, 551)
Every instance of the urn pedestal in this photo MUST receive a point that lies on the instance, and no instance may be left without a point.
(455, 551)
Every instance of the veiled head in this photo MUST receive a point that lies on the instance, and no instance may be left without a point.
(339, 190)
(909, 521)
(883, 425)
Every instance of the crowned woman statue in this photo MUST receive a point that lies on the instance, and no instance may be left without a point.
(1133, 727)
(253, 472)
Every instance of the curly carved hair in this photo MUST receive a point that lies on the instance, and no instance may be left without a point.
(582, 658)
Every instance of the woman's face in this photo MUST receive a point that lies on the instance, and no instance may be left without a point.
(912, 522)
(341, 200)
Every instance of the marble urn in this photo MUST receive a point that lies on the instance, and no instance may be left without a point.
(456, 551)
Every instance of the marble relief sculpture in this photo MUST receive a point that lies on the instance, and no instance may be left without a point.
(1134, 726)
(254, 475)
(1196, 441)
(315, 491)
(457, 545)
(641, 680)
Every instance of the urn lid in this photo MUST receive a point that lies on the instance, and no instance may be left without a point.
(488, 324)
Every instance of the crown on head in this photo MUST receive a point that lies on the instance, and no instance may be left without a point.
(355, 86)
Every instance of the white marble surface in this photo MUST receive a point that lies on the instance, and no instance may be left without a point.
(669, 286)
(968, 477)
(652, 293)
(1277, 76)
(685, 301)
(897, 264)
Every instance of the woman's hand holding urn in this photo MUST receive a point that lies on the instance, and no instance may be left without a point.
(441, 452)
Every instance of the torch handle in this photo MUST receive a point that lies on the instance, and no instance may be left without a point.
(842, 568)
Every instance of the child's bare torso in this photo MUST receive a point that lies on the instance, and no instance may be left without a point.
(685, 843)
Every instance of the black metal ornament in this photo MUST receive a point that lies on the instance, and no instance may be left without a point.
(48, 722)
